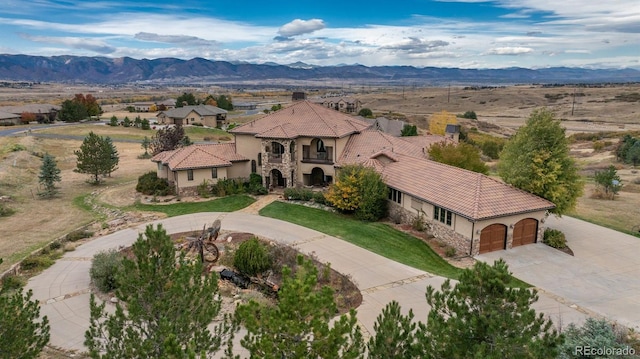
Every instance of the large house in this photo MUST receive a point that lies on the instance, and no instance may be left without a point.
(12, 115)
(188, 115)
(306, 144)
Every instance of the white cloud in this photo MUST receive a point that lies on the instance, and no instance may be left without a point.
(300, 27)
(416, 45)
(80, 43)
(183, 40)
(510, 51)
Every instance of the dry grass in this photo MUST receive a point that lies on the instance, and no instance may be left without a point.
(38, 221)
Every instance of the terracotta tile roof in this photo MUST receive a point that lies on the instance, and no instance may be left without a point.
(200, 156)
(469, 194)
(303, 119)
(366, 144)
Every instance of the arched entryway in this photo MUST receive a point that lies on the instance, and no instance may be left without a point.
(525, 232)
(493, 238)
(277, 179)
(317, 176)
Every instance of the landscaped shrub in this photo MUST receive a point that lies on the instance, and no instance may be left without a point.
(12, 282)
(78, 235)
(418, 223)
(254, 186)
(203, 189)
(298, 194)
(36, 262)
(228, 187)
(450, 252)
(252, 258)
(598, 145)
(104, 270)
(554, 238)
(318, 197)
(150, 184)
(55, 245)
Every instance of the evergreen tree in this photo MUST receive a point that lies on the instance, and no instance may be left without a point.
(113, 121)
(22, 334)
(146, 142)
(481, 317)
(186, 99)
(145, 124)
(298, 325)
(49, 175)
(169, 306)
(537, 160)
(97, 156)
(394, 335)
(609, 181)
(633, 155)
(409, 130)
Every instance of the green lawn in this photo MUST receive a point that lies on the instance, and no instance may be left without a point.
(376, 237)
(224, 204)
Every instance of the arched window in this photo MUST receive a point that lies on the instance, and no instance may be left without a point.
(259, 159)
(253, 166)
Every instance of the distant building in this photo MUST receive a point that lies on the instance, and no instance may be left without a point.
(43, 112)
(392, 127)
(343, 104)
(298, 96)
(245, 106)
(452, 132)
(188, 115)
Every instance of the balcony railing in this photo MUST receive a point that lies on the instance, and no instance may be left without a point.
(275, 158)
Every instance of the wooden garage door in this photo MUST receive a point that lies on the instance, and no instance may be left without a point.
(493, 238)
(524, 232)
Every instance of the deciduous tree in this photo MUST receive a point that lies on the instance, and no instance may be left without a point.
(186, 99)
(49, 175)
(165, 306)
(482, 317)
(537, 160)
(633, 155)
(409, 130)
(298, 325)
(462, 155)
(609, 181)
(360, 190)
(438, 122)
(23, 334)
(167, 139)
(365, 112)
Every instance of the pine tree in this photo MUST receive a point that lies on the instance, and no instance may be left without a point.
(537, 160)
(394, 335)
(22, 334)
(482, 317)
(298, 326)
(49, 175)
(169, 304)
(97, 156)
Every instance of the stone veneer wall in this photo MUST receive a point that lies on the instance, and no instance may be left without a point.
(443, 233)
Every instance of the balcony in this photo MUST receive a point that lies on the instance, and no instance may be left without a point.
(274, 158)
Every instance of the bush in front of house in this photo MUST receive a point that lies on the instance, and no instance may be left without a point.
(554, 238)
(150, 184)
(252, 258)
(318, 197)
(228, 187)
(104, 270)
(298, 194)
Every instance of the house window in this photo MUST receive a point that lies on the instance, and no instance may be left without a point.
(442, 215)
(214, 173)
(253, 166)
(259, 159)
(189, 175)
(395, 195)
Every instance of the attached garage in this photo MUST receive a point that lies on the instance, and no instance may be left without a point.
(525, 232)
(493, 238)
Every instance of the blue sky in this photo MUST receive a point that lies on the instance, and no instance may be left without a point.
(442, 33)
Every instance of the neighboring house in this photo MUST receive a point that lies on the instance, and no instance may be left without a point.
(143, 106)
(245, 106)
(42, 112)
(188, 115)
(452, 132)
(187, 167)
(342, 104)
(392, 127)
(306, 144)
(298, 96)
(7, 118)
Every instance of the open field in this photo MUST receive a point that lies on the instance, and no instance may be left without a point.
(196, 134)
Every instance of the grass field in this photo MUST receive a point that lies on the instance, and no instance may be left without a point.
(224, 204)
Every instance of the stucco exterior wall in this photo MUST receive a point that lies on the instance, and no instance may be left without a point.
(239, 170)
(462, 230)
(199, 175)
(248, 146)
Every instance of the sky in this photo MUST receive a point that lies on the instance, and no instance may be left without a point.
(421, 33)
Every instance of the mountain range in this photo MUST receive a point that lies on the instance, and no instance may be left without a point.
(103, 70)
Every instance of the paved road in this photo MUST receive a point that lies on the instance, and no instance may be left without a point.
(602, 277)
(64, 288)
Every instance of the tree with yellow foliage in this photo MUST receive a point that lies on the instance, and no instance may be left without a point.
(439, 121)
(359, 190)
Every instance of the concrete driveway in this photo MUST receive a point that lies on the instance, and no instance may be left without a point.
(603, 276)
(63, 289)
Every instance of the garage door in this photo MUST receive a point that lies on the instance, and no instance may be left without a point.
(524, 232)
(493, 238)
